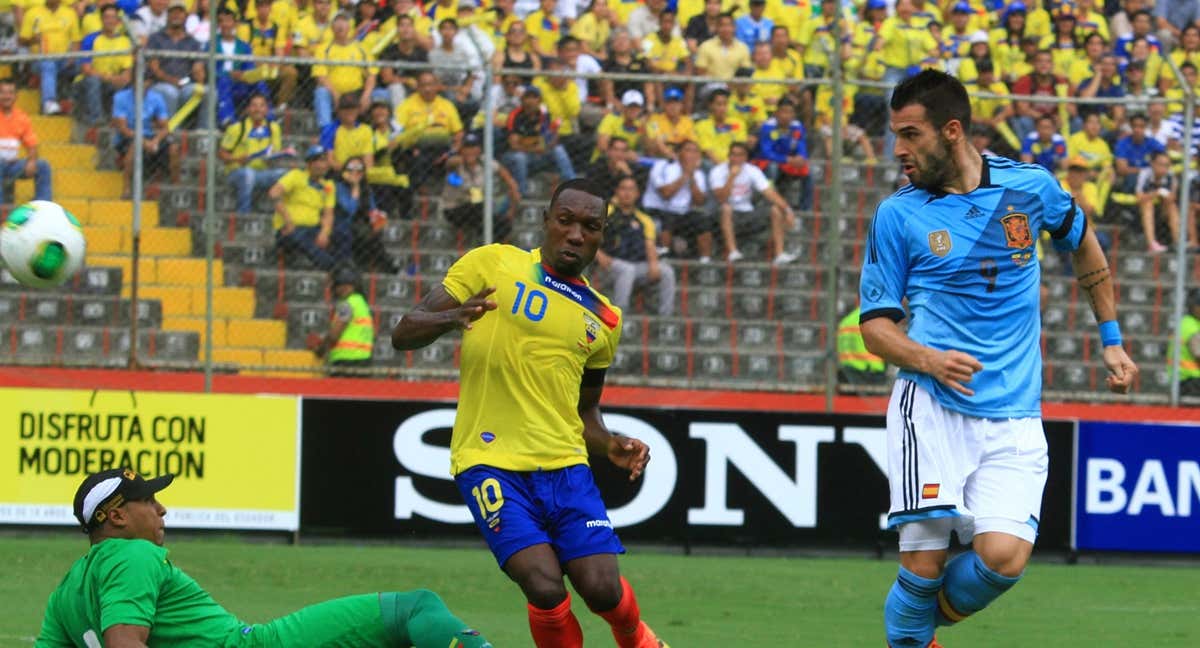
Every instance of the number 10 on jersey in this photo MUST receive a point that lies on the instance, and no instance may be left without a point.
(532, 301)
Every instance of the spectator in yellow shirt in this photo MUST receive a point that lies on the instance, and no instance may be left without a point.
(561, 98)
(52, 28)
(335, 81)
(304, 201)
(246, 149)
(1084, 191)
(593, 27)
(665, 53)
(722, 55)
(268, 37)
(544, 28)
(746, 105)
(765, 67)
(314, 30)
(716, 132)
(347, 137)
(665, 131)
(819, 42)
(431, 127)
(628, 125)
(102, 74)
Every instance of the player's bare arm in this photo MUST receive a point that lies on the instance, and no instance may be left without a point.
(1091, 270)
(887, 340)
(625, 452)
(438, 314)
(124, 635)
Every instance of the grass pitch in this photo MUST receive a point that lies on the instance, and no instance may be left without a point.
(691, 601)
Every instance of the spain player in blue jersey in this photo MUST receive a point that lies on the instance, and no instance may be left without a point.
(537, 339)
(966, 449)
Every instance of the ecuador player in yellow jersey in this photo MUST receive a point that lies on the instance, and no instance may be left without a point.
(529, 415)
(126, 592)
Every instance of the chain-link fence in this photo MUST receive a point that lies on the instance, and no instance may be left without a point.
(260, 191)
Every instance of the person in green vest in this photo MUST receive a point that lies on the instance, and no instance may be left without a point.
(1189, 346)
(856, 365)
(126, 591)
(351, 338)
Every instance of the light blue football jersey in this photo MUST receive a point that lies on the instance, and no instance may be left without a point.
(969, 267)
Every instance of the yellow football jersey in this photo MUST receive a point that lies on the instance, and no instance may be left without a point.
(521, 364)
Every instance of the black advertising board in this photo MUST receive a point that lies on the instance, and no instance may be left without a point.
(715, 478)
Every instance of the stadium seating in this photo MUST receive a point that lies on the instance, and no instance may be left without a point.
(750, 324)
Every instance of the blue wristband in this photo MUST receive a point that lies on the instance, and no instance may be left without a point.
(1110, 333)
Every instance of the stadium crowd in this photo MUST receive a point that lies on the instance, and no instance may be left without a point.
(710, 162)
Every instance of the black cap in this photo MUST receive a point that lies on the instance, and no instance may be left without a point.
(104, 491)
(744, 73)
(345, 275)
(471, 139)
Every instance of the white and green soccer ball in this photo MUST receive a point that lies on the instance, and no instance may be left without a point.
(42, 244)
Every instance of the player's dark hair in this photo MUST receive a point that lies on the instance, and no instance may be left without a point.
(943, 97)
(585, 185)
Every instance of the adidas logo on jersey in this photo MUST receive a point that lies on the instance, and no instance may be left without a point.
(974, 212)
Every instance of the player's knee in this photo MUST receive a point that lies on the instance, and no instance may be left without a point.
(542, 591)
(1007, 564)
(601, 591)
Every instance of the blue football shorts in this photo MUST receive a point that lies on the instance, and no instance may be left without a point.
(516, 510)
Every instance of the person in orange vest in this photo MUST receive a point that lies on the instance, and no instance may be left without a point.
(351, 338)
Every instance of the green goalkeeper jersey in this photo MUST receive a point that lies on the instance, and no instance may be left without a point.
(132, 582)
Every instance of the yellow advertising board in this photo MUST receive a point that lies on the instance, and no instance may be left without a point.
(235, 458)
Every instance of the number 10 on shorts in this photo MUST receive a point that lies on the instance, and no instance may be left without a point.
(489, 499)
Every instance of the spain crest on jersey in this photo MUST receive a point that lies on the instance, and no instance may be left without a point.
(1016, 230)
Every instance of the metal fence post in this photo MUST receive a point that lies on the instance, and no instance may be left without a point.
(1181, 254)
(139, 139)
(210, 192)
(489, 185)
(833, 211)
(489, 151)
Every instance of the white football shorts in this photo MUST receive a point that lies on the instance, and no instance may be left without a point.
(954, 472)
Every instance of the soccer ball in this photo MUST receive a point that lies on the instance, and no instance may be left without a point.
(41, 244)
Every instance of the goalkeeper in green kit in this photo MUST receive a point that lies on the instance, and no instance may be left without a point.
(125, 593)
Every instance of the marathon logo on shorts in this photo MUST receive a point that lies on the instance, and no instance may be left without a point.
(930, 491)
(593, 524)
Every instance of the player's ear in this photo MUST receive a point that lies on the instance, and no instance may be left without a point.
(953, 131)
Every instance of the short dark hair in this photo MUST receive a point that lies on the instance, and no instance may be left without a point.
(567, 40)
(742, 145)
(622, 178)
(108, 5)
(615, 140)
(719, 92)
(585, 185)
(1157, 154)
(446, 21)
(725, 14)
(943, 97)
(224, 10)
(1138, 115)
(7, 81)
(1142, 12)
(1187, 64)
